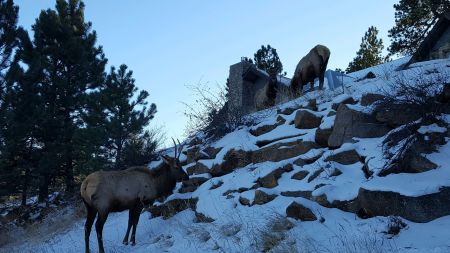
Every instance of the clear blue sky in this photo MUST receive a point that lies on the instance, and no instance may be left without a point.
(170, 44)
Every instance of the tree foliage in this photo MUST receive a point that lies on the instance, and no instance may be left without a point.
(61, 115)
(266, 58)
(369, 53)
(413, 20)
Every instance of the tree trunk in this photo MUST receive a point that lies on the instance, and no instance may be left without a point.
(68, 156)
(43, 187)
(25, 187)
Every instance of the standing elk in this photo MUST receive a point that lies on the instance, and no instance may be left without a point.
(115, 191)
(310, 67)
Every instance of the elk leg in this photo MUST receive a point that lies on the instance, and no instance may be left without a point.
(321, 80)
(137, 213)
(91, 213)
(101, 219)
(130, 223)
(312, 86)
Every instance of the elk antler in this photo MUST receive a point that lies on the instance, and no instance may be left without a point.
(174, 148)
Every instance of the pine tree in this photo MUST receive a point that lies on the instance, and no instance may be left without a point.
(71, 66)
(413, 20)
(125, 117)
(370, 52)
(139, 150)
(266, 58)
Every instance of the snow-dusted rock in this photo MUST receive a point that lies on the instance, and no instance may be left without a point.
(351, 123)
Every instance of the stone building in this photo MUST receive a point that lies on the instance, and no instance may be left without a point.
(437, 43)
(246, 81)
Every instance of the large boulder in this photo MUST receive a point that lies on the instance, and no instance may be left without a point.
(322, 136)
(262, 197)
(172, 207)
(300, 175)
(271, 180)
(232, 160)
(417, 209)
(346, 157)
(370, 98)
(396, 115)
(306, 120)
(194, 154)
(197, 168)
(192, 184)
(282, 151)
(299, 212)
(267, 128)
(351, 123)
(347, 100)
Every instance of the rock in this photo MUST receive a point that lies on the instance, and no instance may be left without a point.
(312, 105)
(350, 123)
(299, 212)
(212, 152)
(397, 114)
(282, 151)
(315, 175)
(308, 160)
(300, 175)
(306, 120)
(348, 100)
(201, 218)
(197, 168)
(262, 198)
(232, 160)
(445, 95)
(194, 154)
(322, 136)
(370, 98)
(172, 207)
(331, 113)
(194, 141)
(195, 181)
(271, 180)
(369, 75)
(417, 209)
(412, 163)
(244, 201)
(262, 130)
(303, 194)
(288, 111)
(345, 157)
(335, 173)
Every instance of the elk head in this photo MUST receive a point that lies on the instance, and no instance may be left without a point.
(174, 163)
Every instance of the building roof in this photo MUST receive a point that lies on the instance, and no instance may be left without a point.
(430, 40)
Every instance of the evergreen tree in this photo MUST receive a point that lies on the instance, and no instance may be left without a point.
(369, 53)
(139, 150)
(71, 65)
(8, 35)
(125, 117)
(266, 58)
(413, 20)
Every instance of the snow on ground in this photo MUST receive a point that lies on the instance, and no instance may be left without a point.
(240, 228)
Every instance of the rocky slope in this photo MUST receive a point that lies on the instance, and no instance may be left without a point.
(330, 171)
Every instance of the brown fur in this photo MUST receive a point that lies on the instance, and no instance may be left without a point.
(115, 191)
(310, 67)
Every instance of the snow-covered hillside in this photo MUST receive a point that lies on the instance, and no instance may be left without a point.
(294, 182)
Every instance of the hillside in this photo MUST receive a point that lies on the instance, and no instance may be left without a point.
(327, 172)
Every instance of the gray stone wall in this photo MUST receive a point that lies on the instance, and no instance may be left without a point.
(442, 47)
(243, 93)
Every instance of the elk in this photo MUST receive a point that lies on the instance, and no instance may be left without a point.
(115, 191)
(310, 67)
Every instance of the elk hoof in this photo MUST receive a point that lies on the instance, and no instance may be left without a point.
(125, 243)
(133, 243)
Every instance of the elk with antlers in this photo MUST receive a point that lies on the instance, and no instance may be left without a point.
(115, 191)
